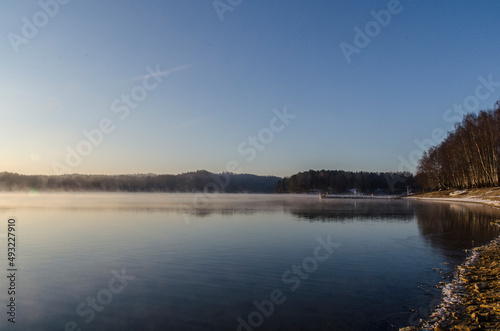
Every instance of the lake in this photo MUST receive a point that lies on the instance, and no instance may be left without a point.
(121, 261)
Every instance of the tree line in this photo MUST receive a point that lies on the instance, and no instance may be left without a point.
(199, 181)
(467, 158)
(339, 181)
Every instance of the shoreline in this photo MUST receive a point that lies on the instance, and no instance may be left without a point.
(484, 202)
(485, 196)
(471, 301)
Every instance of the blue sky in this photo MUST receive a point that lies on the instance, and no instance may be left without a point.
(215, 83)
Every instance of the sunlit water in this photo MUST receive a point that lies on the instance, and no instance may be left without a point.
(185, 262)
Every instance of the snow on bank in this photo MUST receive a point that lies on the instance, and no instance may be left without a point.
(483, 201)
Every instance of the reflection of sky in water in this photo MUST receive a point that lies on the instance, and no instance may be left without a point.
(235, 249)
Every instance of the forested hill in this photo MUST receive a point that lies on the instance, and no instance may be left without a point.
(338, 181)
(199, 181)
(469, 157)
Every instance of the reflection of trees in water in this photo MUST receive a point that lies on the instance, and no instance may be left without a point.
(200, 213)
(353, 216)
(315, 209)
(356, 210)
(455, 226)
(447, 226)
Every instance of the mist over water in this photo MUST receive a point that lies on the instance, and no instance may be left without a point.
(201, 263)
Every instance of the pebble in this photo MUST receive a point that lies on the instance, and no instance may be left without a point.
(481, 294)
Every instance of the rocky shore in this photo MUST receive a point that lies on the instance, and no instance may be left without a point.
(472, 300)
(481, 302)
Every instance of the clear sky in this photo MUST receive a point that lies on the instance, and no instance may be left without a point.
(176, 86)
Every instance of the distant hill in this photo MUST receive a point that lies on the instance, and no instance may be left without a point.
(199, 181)
(339, 181)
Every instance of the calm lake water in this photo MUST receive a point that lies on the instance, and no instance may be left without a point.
(231, 262)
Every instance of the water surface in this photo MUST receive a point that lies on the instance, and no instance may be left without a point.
(189, 262)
